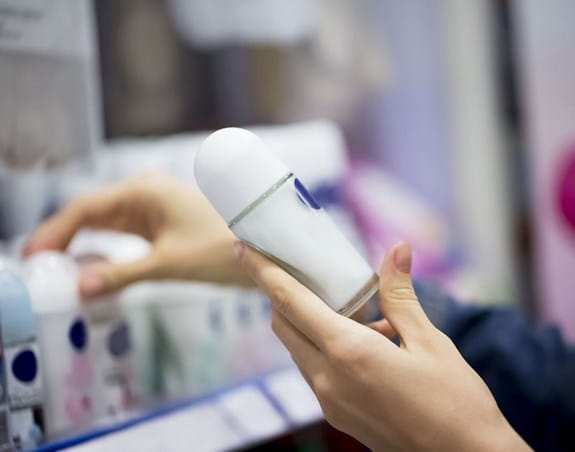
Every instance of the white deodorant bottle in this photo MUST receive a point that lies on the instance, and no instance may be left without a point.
(68, 370)
(21, 393)
(267, 207)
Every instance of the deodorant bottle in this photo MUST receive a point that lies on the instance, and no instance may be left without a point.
(266, 206)
(68, 371)
(22, 390)
(111, 351)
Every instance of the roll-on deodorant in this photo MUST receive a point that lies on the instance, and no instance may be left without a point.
(22, 390)
(269, 208)
(63, 333)
(111, 353)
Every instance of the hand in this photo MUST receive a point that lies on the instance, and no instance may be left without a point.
(421, 395)
(189, 239)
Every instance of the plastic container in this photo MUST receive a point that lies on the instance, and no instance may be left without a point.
(64, 339)
(266, 206)
(21, 414)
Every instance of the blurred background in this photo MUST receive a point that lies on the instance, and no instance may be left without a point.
(444, 122)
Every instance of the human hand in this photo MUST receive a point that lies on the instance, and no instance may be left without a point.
(189, 240)
(420, 395)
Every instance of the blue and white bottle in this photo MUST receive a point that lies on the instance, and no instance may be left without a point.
(22, 390)
(64, 339)
(266, 206)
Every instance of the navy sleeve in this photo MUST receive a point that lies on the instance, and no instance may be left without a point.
(529, 370)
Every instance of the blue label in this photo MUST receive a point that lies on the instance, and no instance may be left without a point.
(215, 318)
(25, 366)
(244, 314)
(3, 390)
(266, 307)
(119, 341)
(304, 196)
(78, 335)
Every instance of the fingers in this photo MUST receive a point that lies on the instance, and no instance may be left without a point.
(306, 355)
(383, 327)
(302, 308)
(57, 232)
(106, 277)
(397, 297)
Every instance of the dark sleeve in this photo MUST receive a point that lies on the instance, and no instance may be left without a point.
(530, 371)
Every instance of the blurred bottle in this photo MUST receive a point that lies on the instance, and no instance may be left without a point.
(196, 337)
(21, 392)
(111, 354)
(64, 342)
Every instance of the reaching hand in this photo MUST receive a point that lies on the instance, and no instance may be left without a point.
(420, 395)
(189, 239)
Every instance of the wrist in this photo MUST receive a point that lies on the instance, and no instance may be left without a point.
(500, 437)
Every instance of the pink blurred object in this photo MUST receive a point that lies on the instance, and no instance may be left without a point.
(387, 211)
(546, 43)
(566, 189)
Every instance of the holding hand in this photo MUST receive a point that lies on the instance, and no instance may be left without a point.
(421, 395)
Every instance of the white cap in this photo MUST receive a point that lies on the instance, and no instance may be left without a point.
(233, 168)
(52, 279)
(17, 321)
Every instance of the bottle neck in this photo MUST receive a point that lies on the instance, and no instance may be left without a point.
(265, 195)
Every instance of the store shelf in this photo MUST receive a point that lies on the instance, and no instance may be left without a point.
(252, 412)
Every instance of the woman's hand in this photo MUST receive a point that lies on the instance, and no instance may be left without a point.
(189, 239)
(421, 395)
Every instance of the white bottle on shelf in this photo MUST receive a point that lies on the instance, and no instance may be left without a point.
(21, 397)
(111, 354)
(191, 324)
(64, 342)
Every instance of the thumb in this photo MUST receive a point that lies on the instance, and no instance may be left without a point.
(398, 301)
(106, 277)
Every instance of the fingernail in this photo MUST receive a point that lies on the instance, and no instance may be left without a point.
(91, 282)
(27, 247)
(402, 258)
(239, 248)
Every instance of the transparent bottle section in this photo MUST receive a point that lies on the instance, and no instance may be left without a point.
(287, 225)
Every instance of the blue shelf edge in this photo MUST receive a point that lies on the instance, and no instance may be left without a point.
(178, 406)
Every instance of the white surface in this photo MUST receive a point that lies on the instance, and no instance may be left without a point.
(118, 247)
(201, 428)
(234, 168)
(480, 161)
(314, 150)
(292, 392)
(58, 27)
(307, 240)
(52, 278)
(252, 412)
(217, 22)
(237, 418)
(18, 187)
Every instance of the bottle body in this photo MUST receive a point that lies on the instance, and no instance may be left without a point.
(111, 352)
(287, 225)
(21, 410)
(24, 385)
(67, 369)
(63, 339)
